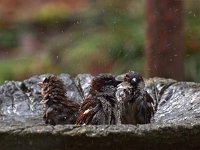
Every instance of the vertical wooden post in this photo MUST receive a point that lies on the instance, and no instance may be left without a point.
(164, 39)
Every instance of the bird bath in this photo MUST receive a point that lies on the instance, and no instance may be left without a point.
(176, 124)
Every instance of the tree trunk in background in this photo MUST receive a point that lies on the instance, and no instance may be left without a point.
(164, 39)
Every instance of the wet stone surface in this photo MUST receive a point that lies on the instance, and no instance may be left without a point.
(20, 101)
(176, 124)
(179, 102)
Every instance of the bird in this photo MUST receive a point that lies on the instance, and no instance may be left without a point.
(100, 105)
(57, 108)
(136, 105)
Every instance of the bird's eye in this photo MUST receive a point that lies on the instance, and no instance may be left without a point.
(134, 79)
(46, 80)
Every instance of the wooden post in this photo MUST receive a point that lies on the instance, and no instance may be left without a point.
(164, 52)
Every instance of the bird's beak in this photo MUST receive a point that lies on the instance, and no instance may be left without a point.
(120, 78)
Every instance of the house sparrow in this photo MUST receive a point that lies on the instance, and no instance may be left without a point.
(100, 106)
(57, 108)
(136, 103)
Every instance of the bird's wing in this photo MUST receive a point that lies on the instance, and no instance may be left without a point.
(87, 111)
(150, 103)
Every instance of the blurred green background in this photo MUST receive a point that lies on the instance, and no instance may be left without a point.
(83, 36)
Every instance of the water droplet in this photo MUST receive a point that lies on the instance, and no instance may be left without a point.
(77, 22)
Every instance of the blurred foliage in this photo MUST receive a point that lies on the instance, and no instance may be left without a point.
(8, 38)
(91, 37)
(192, 65)
(109, 36)
(50, 12)
(17, 69)
(191, 40)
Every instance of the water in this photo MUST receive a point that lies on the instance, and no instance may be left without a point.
(174, 101)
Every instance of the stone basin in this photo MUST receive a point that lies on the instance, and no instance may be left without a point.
(176, 124)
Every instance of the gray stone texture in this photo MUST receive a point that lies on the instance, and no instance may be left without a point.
(176, 124)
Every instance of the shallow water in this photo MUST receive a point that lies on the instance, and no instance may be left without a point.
(173, 101)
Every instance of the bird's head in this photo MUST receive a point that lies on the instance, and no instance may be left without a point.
(51, 82)
(135, 79)
(103, 80)
(124, 92)
(45, 82)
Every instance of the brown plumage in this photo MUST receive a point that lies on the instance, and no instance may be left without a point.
(100, 106)
(136, 103)
(57, 108)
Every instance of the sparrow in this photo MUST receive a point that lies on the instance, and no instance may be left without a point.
(136, 103)
(100, 105)
(57, 108)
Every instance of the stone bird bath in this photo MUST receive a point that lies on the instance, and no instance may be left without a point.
(176, 124)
